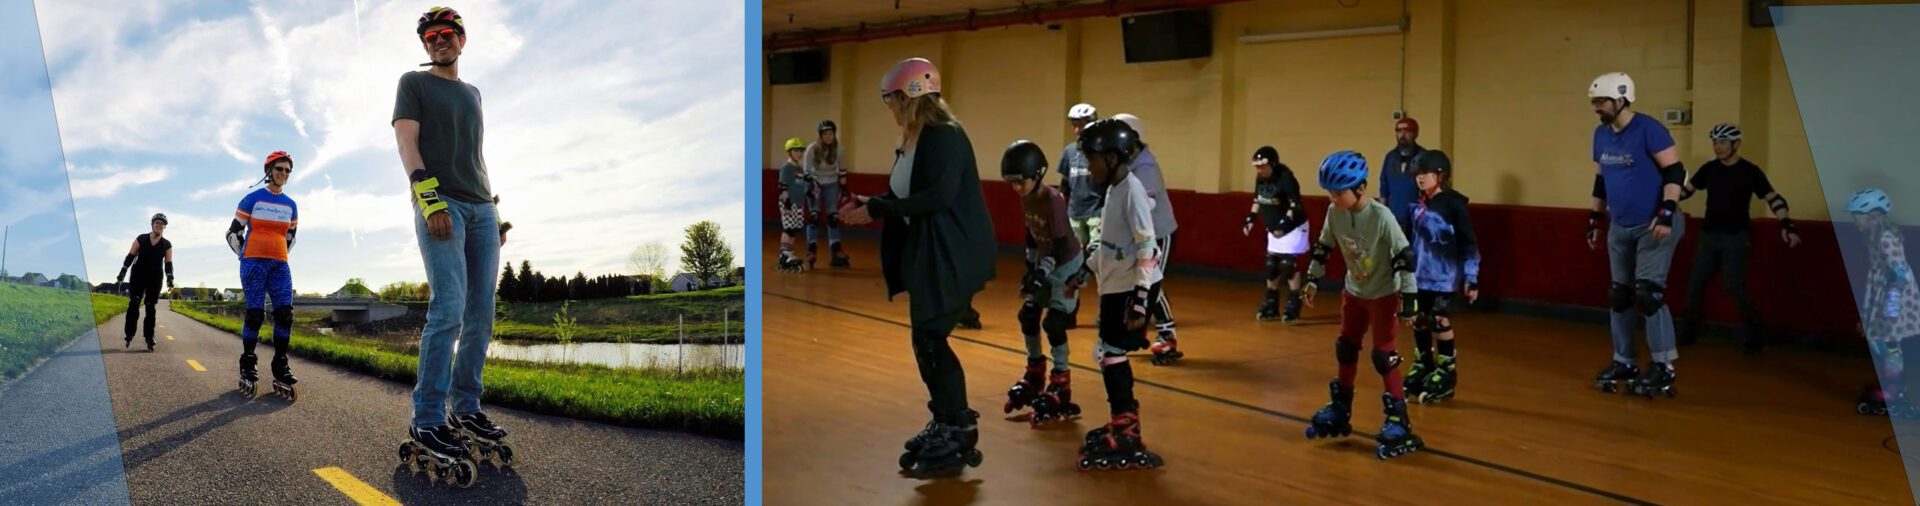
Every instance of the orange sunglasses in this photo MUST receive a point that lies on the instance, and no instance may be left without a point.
(432, 37)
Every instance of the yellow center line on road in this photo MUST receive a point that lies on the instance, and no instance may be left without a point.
(196, 365)
(169, 338)
(355, 489)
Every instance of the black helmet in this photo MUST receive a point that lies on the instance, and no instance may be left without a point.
(1433, 160)
(1267, 153)
(827, 125)
(159, 217)
(1110, 136)
(1023, 161)
(440, 15)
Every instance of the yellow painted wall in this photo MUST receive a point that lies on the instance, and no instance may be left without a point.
(1500, 84)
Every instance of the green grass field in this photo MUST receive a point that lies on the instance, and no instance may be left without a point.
(639, 319)
(35, 322)
(705, 401)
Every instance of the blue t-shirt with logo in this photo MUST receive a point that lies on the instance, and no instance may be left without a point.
(1627, 168)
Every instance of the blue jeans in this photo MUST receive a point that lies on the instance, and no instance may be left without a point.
(461, 269)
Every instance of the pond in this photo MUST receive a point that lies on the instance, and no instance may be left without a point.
(633, 355)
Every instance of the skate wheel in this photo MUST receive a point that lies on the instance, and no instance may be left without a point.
(1086, 464)
(974, 458)
(464, 473)
(505, 452)
(906, 461)
(406, 452)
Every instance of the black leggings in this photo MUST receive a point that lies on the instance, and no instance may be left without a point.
(142, 291)
(940, 370)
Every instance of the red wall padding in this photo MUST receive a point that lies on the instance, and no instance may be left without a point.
(1530, 253)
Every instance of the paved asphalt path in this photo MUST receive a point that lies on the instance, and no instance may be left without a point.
(188, 437)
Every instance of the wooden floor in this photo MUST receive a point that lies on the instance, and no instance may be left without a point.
(841, 394)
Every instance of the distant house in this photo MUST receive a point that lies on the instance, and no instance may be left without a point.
(197, 294)
(34, 279)
(106, 288)
(684, 282)
(69, 282)
(234, 293)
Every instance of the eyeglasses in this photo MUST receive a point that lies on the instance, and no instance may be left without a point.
(287, 170)
(432, 37)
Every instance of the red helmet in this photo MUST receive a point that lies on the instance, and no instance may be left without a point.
(440, 15)
(278, 156)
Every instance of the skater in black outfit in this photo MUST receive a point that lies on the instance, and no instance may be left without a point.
(150, 252)
(936, 246)
(1276, 206)
(1728, 180)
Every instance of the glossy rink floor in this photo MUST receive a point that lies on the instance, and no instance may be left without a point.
(841, 394)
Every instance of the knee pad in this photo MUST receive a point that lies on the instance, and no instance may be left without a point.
(1273, 267)
(1442, 325)
(1650, 298)
(1621, 296)
(255, 316)
(1423, 321)
(1346, 352)
(1106, 354)
(283, 317)
(1385, 360)
(1056, 324)
(1029, 318)
(833, 219)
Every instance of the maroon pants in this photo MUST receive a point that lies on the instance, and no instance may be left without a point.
(1356, 316)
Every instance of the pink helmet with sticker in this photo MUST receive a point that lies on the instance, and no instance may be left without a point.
(913, 76)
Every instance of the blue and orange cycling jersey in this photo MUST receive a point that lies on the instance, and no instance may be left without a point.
(268, 216)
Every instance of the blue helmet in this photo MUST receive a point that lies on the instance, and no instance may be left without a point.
(1869, 200)
(1344, 170)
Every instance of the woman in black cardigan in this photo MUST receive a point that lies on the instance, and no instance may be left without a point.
(937, 245)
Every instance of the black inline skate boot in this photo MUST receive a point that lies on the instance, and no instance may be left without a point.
(484, 439)
(1438, 385)
(1269, 308)
(1416, 379)
(1028, 388)
(1396, 434)
(840, 259)
(1335, 419)
(948, 450)
(1616, 375)
(249, 377)
(1117, 446)
(283, 379)
(1056, 403)
(1658, 379)
(439, 449)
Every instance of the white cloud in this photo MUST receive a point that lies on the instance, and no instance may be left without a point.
(607, 125)
(108, 180)
(227, 137)
(282, 69)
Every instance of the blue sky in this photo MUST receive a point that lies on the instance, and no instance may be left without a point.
(609, 124)
(33, 186)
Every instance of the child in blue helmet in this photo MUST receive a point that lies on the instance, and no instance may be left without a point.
(1888, 312)
(1379, 265)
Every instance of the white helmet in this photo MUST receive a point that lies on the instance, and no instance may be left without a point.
(1081, 111)
(1724, 132)
(1132, 122)
(1614, 85)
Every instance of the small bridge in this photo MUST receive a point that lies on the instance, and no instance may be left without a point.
(351, 310)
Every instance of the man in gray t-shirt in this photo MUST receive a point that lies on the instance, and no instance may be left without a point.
(437, 123)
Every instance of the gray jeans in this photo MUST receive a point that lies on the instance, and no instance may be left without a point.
(1636, 259)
